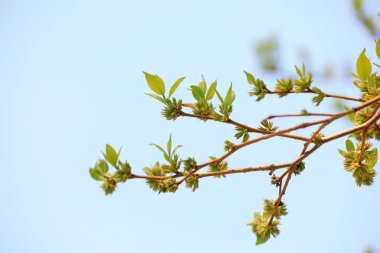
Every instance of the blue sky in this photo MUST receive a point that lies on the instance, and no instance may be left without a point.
(71, 80)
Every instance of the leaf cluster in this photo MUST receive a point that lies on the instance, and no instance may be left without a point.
(304, 80)
(267, 126)
(192, 182)
(259, 87)
(172, 107)
(242, 133)
(361, 166)
(170, 156)
(284, 86)
(261, 226)
(100, 171)
(218, 167)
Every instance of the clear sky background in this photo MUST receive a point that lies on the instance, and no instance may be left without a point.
(71, 81)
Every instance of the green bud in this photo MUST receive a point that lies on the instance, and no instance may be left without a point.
(192, 182)
(269, 209)
(189, 164)
(228, 146)
(299, 168)
(109, 185)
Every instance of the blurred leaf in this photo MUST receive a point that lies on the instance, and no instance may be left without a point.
(350, 116)
(267, 52)
(378, 48)
(357, 4)
(155, 83)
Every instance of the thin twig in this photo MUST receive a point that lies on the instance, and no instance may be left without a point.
(325, 94)
(250, 129)
(299, 115)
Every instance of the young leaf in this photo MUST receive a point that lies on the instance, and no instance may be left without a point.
(303, 69)
(220, 97)
(250, 78)
(96, 174)
(298, 71)
(378, 48)
(111, 156)
(349, 145)
(211, 91)
(159, 148)
(177, 147)
(262, 239)
(230, 96)
(155, 83)
(203, 85)
(102, 166)
(198, 94)
(169, 145)
(372, 160)
(363, 66)
(342, 153)
(175, 86)
(156, 97)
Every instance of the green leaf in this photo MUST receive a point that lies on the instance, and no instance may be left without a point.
(250, 78)
(211, 91)
(96, 174)
(102, 166)
(177, 147)
(303, 70)
(349, 145)
(203, 85)
(111, 156)
(378, 48)
(198, 94)
(155, 83)
(342, 153)
(363, 66)
(350, 116)
(169, 145)
(156, 97)
(159, 147)
(372, 160)
(230, 96)
(358, 5)
(262, 239)
(220, 97)
(175, 86)
(298, 71)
